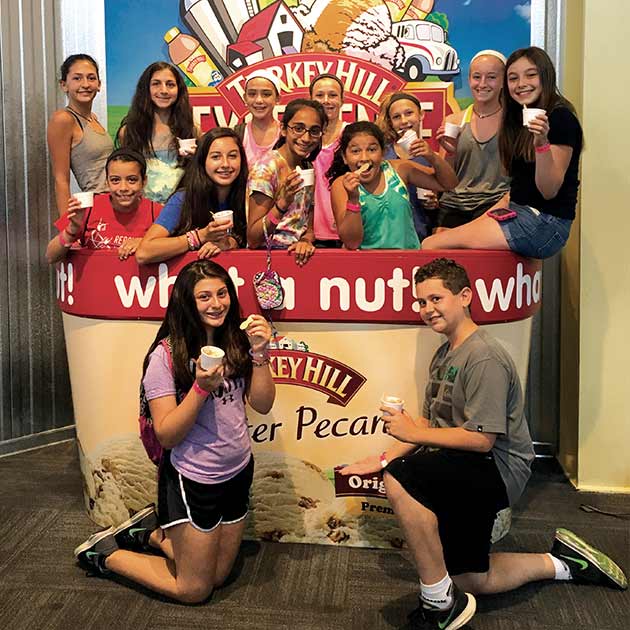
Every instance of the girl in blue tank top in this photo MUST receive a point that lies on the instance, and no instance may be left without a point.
(369, 194)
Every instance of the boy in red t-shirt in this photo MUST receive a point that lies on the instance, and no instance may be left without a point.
(116, 220)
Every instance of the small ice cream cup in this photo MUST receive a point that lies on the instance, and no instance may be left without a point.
(187, 146)
(86, 199)
(211, 356)
(393, 402)
(529, 113)
(404, 142)
(451, 130)
(225, 216)
(308, 176)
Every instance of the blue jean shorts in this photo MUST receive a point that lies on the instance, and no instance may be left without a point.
(535, 234)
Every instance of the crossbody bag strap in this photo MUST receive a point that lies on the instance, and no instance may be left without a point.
(267, 242)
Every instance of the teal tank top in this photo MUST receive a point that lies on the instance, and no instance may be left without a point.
(387, 218)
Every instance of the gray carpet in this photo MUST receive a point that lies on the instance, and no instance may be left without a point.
(280, 586)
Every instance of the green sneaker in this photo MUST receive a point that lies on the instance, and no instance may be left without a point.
(92, 553)
(587, 564)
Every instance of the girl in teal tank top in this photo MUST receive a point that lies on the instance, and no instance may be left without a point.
(369, 195)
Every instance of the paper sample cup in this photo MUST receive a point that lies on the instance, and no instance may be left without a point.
(407, 138)
(308, 176)
(85, 198)
(529, 113)
(187, 146)
(393, 402)
(423, 193)
(224, 216)
(211, 356)
(451, 130)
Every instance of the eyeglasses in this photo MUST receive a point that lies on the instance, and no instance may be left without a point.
(300, 130)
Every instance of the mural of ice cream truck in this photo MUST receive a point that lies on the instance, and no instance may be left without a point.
(426, 51)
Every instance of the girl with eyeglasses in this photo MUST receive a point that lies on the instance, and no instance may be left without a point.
(280, 205)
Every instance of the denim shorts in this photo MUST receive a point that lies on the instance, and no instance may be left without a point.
(535, 234)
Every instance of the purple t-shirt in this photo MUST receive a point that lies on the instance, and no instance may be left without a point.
(217, 447)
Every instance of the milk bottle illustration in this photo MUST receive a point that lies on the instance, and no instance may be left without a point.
(187, 54)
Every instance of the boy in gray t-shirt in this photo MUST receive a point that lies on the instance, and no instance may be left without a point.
(465, 459)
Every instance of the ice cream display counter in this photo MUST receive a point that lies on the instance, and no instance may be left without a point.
(348, 333)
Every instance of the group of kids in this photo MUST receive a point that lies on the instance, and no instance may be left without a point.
(450, 469)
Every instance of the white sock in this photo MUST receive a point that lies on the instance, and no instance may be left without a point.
(437, 594)
(562, 568)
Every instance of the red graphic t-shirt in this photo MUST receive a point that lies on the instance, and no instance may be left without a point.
(104, 228)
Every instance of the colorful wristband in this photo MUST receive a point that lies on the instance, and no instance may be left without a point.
(199, 390)
(271, 218)
(383, 460)
(193, 241)
(544, 148)
(353, 207)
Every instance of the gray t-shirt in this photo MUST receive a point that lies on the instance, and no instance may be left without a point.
(476, 386)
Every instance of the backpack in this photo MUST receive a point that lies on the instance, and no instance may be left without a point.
(149, 440)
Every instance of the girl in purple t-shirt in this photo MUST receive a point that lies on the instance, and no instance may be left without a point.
(206, 473)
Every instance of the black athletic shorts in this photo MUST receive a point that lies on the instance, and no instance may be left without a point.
(203, 505)
(465, 491)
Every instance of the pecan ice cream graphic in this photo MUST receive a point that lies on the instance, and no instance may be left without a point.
(284, 491)
(119, 479)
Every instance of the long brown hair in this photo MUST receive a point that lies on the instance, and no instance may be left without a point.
(515, 141)
(138, 122)
(200, 192)
(183, 326)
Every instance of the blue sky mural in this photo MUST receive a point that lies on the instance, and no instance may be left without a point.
(135, 35)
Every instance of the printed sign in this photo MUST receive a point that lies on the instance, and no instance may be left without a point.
(341, 286)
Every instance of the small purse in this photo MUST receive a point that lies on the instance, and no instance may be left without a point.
(267, 285)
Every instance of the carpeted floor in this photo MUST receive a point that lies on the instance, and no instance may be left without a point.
(280, 586)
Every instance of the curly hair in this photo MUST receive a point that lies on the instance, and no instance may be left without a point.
(453, 275)
(338, 166)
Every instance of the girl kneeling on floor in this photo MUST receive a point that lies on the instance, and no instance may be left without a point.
(206, 473)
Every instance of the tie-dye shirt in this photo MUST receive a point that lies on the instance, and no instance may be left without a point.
(267, 177)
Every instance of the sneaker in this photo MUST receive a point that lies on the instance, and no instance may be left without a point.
(458, 615)
(92, 553)
(134, 533)
(587, 564)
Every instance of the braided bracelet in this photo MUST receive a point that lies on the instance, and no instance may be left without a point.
(259, 359)
(353, 207)
(544, 148)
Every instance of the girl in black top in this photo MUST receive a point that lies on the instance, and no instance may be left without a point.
(542, 158)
